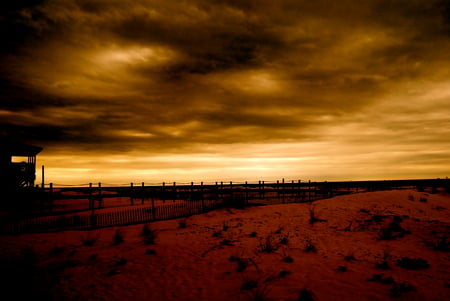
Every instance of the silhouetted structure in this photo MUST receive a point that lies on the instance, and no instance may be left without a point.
(17, 174)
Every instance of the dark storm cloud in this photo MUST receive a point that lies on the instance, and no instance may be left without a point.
(122, 75)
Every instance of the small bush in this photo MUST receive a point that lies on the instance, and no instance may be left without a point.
(261, 294)
(89, 240)
(398, 289)
(306, 295)
(384, 264)
(442, 244)
(149, 235)
(411, 197)
(349, 257)
(380, 278)
(249, 284)
(284, 240)
(268, 244)
(118, 237)
(310, 247)
(56, 250)
(283, 273)
(225, 226)
(342, 268)
(312, 216)
(423, 200)
(122, 261)
(150, 252)
(288, 259)
(253, 234)
(182, 223)
(412, 263)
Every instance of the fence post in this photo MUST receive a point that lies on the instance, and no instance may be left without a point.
(174, 192)
(202, 197)
(163, 194)
(263, 194)
(278, 189)
(309, 190)
(131, 194)
(51, 196)
(282, 191)
(217, 192)
(143, 193)
(90, 196)
(231, 191)
(100, 195)
(246, 193)
(153, 203)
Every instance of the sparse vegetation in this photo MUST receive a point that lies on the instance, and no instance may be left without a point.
(288, 259)
(89, 240)
(393, 230)
(384, 264)
(310, 247)
(269, 244)
(118, 237)
(182, 223)
(312, 216)
(349, 257)
(284, 240)
(261, 294)
(249, 284)
(306, 295)
(442, 244)
(56, 250)
(149, 235)
(412, 263)
(399, 288)
(342, 268)
(380, 278)
(121, 261)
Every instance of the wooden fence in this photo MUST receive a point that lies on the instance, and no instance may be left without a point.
(160, 202)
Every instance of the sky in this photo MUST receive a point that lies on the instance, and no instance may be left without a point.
(122, 91)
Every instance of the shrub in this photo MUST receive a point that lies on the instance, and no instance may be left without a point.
(149, 235)
(122, 261)
(288, 259)
(268, 244)
(182, 223)
(442, 244)
(349, 257)
(384, 264)
(310, 247)
(342, 268)
(253, 234)
(249, 284)
(284, 240)
(242, 263)
(312, 216)
(398, 289)
(306, 295)
(380, 278)
(261, 294)
(118, 237)
(412, 263)
(89, 240)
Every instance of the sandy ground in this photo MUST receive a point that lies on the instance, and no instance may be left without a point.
(387, 245)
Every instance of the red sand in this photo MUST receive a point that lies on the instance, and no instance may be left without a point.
(193, 263)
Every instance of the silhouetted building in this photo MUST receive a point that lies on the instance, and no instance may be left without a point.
(17, 164)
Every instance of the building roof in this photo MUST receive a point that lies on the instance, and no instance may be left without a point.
(14, 148)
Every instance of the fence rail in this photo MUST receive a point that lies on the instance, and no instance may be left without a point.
(159, 202)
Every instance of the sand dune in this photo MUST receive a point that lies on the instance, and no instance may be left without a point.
(368, 246)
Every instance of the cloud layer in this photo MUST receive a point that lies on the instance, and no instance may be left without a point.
(369, 81)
